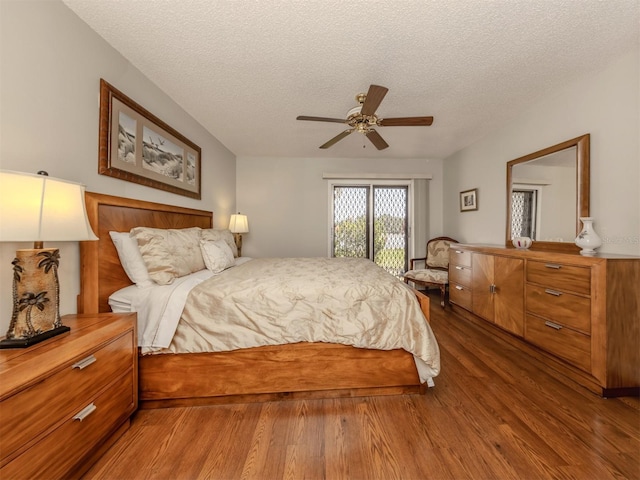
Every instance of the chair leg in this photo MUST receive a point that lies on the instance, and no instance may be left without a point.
(442, 290)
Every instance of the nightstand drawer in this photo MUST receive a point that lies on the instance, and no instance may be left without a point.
(561, 277)
(460, 274)
(561, 342)
(75, 438)
(560, 307)
(46, 404)
(459, 257)
(460, 295)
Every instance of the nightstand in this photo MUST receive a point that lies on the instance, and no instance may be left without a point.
(64, 401)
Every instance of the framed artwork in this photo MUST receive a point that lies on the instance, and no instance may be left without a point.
(469, 200)
(137, 146)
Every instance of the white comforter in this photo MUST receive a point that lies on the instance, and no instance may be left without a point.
(276, 301)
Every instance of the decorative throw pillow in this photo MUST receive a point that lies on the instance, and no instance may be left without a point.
(169, 253)
(217, 255)
(131, 258)
(221, 234)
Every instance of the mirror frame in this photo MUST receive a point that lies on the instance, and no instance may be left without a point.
(582, 189)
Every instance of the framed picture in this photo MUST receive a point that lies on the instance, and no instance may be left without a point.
(469, 200)
(137, 146)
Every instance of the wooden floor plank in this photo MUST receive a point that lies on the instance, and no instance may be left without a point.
(226, 460)
(266, 454)
(337, 459)
(495, 412)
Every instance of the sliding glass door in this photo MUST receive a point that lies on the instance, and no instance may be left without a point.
(371, 221)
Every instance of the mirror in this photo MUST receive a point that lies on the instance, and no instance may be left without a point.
(547, 193)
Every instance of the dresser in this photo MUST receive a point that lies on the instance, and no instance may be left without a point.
(460, 278)
(498, 290)
(64, 401)
(579, 315)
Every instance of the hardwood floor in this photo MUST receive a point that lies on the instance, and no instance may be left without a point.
(493, 414)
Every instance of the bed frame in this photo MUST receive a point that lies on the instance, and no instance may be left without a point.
(302, 370)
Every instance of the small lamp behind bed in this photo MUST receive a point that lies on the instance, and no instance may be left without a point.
(38, 208)
(238, 225)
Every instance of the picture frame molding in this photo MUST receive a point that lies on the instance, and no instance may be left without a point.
(472, 196)
(108, 162)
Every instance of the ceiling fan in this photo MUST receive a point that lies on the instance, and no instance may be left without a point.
(363, 118)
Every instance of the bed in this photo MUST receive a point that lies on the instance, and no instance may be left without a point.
(298, 370)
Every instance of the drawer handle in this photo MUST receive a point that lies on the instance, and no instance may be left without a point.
(555, 293)
(553, 265)
(459, 251)
(553, 325)
(458, 287)
(459, 268)
(85, 412)
(85, 362)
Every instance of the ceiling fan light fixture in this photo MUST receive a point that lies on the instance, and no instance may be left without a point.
(364, 117)
(362, 123)
(354, 112)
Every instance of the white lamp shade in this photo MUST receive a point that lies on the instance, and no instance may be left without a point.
(238, 224)
(42, 208)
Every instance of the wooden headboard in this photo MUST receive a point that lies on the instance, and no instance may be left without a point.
(100, 271)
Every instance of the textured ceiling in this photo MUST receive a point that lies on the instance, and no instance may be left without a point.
(246, 69)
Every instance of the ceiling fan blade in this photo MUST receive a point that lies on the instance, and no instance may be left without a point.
(405, 122)
(374, 97)
(337, 138)
(321, 119)
(377, 140)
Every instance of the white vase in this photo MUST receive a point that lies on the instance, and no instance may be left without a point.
(521, 243)
(588, 239)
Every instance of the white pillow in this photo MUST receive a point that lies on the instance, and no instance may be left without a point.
(217, 255)
(131, 259)
(225, 234)
(122, 300)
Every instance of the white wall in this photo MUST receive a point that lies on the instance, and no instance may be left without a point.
(52, 63)
(287, 200)
(605, 104)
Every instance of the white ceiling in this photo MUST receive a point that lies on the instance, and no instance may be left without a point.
(245, 69)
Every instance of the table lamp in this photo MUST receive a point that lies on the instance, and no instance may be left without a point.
(238, 225)
(38, 208)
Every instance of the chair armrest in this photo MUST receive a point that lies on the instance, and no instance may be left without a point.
(413, 260)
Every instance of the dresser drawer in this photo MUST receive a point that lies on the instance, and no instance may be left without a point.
(460, 295)
(560, 307)
(560, 277)
(42, 406)
(460, 274)
(55, 454)
(565, 343)
(459, 257)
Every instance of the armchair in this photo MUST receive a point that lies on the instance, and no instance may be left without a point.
(436, 266)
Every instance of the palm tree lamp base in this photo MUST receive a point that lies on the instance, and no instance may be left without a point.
(36, 293)
(37, 338)
(238, 239)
